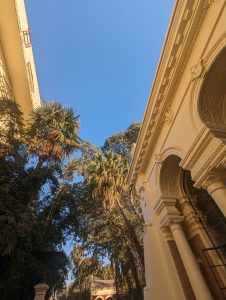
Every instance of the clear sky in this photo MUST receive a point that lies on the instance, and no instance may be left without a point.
(98, 56)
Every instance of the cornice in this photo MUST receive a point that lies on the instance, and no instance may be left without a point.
(186, 20)
(207, 153)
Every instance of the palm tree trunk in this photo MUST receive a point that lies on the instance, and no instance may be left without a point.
(132, 234)
(134, 271)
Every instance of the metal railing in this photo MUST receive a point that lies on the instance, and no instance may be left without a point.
(215, 258)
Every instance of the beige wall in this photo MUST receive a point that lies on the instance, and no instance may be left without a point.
(172, 126)
(17, 68)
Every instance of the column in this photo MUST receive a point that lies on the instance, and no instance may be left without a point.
(170, 217)
(195, 276)
(40, 291)
(217, 190)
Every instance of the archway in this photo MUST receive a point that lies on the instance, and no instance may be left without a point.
(212, 256)
(184, 202)
(99, 298)
(109, 298)
(170, 177)
(212, 100)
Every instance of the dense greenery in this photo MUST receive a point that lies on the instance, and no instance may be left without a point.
(31, 161)
(107, 216)
(46, 196)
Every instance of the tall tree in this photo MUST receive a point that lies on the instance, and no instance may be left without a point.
(30, 240)
(109, 218)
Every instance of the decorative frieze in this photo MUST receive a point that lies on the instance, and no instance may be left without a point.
(169, 115)
(208, 3)
(175, 39)
(205, 154)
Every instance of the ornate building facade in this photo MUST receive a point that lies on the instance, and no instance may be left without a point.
(18, 80)
(179, 163)
(102, 290)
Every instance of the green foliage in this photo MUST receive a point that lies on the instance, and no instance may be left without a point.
(41, 205)
(33, 215)
(108, 217)
(122, 142)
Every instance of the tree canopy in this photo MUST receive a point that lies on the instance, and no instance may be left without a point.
(31, 162)
(43, 202)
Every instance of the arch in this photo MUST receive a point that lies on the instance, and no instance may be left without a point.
(170, 151)
(170, 178)
(173, 150)
(212, 99)
(109, 298)
(204, 66)
(99, 298)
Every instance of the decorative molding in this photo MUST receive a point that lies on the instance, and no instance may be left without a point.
(173, 57)
(168, 213)
(169, 115)
(158, 157)
(167, 233)
(205, 154)
(197, 70)
(4, 91)
(162, 202)
(211, 2)
(191, 219)
(170, 177)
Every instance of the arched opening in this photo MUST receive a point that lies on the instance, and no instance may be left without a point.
(176, 183)
(213, 257)
(99, 298)
(170, 177)
(109, 298)
(205, 207)
(212, 104)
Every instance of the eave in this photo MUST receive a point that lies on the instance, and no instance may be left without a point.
(17, 56)
(186, 19)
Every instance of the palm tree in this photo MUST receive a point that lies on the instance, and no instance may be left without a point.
(52, 132)
(106, 174)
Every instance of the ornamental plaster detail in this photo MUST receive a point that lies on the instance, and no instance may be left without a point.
(4, 91)
(191, 219)
(205, 154)
(158, 157)
(197, 70)
(212, 110)
(169, 115)
(210, 2)
(168, 213)
(168, 236)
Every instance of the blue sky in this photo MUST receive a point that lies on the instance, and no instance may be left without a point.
(98, 56)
